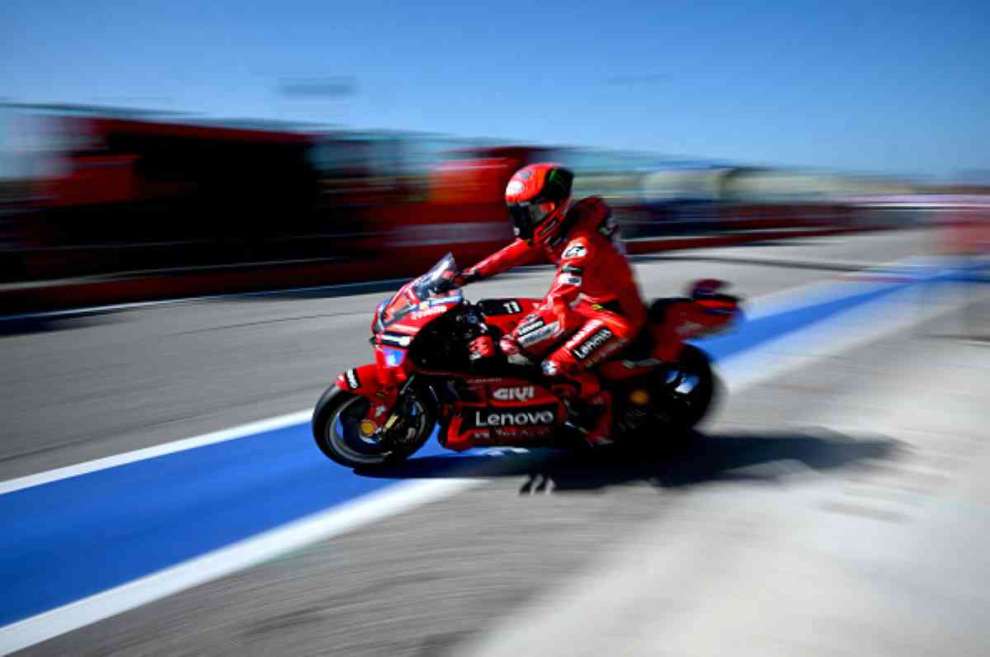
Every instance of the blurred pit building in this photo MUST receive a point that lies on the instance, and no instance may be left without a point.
(122, 205)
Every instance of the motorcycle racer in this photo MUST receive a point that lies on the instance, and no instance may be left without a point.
(593, 306)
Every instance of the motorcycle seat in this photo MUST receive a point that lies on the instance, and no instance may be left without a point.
(641, 347)
(656, 314)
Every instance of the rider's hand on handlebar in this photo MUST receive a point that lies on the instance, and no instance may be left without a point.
(481, 347)
(462, 278)
(450, 280)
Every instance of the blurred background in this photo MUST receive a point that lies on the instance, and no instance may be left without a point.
(201, 204)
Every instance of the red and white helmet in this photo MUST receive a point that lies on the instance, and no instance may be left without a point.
(537, 197)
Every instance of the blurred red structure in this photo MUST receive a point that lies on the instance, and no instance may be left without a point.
(168, 208)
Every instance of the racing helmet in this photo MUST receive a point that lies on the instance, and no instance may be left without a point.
(537, 197)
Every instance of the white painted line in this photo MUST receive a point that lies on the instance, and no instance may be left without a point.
(238, 556)
(233, 433)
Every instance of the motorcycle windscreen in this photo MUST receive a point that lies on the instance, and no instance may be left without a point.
(425, 289)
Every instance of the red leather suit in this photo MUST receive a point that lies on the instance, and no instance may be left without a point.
(594, 301)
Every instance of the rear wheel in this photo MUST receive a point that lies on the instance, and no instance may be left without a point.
(337, 430)
(687, 390)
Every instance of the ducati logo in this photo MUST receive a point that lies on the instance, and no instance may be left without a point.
(523, 393)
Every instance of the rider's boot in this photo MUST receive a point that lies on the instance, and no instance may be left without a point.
(590, 410)
(589, 407)
(592, 418)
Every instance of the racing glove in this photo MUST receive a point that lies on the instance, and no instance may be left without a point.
(469, 275)
(450, 280)
(482, 347)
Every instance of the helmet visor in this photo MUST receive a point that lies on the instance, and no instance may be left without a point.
(527, 216)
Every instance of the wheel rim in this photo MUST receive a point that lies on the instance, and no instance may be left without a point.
(688, 394)
(688, 388)
(344, 436)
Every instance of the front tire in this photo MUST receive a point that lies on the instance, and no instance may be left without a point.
(336, 432)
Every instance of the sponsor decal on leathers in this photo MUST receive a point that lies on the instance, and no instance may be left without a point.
(529, 324)
(540, 334)
(575, 250)
(585, 349)
(569, 279)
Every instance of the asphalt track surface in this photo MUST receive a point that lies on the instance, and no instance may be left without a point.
(835, 508)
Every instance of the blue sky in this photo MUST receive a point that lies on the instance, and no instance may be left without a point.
(856, 86)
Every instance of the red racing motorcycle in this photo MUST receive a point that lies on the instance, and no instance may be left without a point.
(424, 377)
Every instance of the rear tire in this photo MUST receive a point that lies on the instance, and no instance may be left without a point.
(335, 430)
(688, 390)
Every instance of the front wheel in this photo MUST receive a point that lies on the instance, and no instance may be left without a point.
(337, 430)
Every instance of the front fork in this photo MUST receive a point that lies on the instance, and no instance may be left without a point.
(385, 389)
(382, 391)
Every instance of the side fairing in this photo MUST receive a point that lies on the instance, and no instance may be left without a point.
(504, 412)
